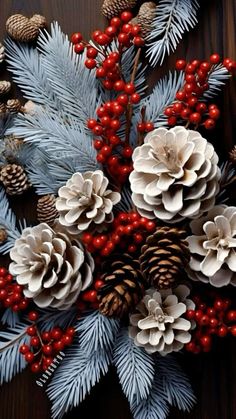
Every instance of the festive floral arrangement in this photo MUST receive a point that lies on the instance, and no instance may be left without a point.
(133, 208)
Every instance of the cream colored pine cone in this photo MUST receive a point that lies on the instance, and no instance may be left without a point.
(159, 325)
(213, 247)
(52, 268)
(175, 175)
(86, 202)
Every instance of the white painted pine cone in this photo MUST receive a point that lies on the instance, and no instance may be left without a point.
(52, 268)
(158, 324)
(85, 201)
(213, 247)
(175, 175)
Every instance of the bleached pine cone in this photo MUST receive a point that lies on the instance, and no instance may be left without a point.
(213, 247)
(85, 201)
(2, 53)
(5, 87)
(111, 8)
(52, 268)
(175, 175)
(158, 324)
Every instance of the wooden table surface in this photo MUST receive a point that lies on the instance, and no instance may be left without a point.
(213, 375)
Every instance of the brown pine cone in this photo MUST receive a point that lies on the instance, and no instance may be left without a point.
(3, 235)
(111, 8)
(46, 209)
(3, 109)
(21, 29)
(39, 21)
(5, 87)
(124, 286)
(145, 17)
(2, 53)
(13, 105)
(164, 257)
(14, 179)
(232, 155)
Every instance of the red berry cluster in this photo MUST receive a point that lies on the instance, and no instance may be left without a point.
(44, 346)
(11, 293)
(88, 299)
(217, 319)
(128, 231)
(189, 105)
(110, 114)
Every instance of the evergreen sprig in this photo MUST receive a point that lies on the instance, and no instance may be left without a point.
(8, 221)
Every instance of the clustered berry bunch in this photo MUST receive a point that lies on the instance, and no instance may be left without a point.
(128, 231)
(11, 293)
(113, 150)
(217, 318)
(44, 346)
(190, 105)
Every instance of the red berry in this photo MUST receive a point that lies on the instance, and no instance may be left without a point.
(206, 341)
(98, 130)
(98, 284)
(127, 152)
(111, 31)
(214, 113)
(105, 121)
(126, 16)
(115, 21)
(172, 120)
(35, 367)
(205, 66)
(231, 316)
(115, 124)
(47, 349)
(109, 63)
(190, 78)
(90, 296)
(117, 109)
(215, 58)
(100, 72)
(180, 95)
(90, 63)
(211, 312)
(115, 140)
(129, 88)
(135, 30)
(233, 330)
(3, 294)
(126, 28)
(24, 349)
(67, 340)
(34, 341)
(123, 99)
(78, 48)
(91, 123)
(56, 333)
(92, 52)
(219, 305)
(98, 144)
(3, 271)
(190, 314)
(185, 113)
(95, 34)
(87, 238)
(70, 331)
(46, 336)
(149, 126)
(138, 238)
(168, 111)
(119, 85)
(132, 248)
(33, 316)
(150, 226)
(180, 64)
(198, 315)
(123, 39)
(108, 84)
(48, 361)
(76, 37)
(138, 41)
(190, 347)
(222, 331)
(213, 322)
(192, 101)
(29, 357)
(189, 87)
(209, 124)
(58, 346)
(204, 321)
(190, 68)
(103, 39)
(201, 107)
(101, 159)
(195, 118)
(31, 330)
(135, 98)
(177, 107)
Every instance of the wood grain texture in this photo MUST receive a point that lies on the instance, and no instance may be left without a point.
(213, 375)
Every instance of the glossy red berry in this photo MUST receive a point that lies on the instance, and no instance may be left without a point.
(172, 120)
(90, 63)
(56, 333)
(130, 88)
(33, 316)
(138, 41)
(119, 85)
(231, 316)
(135, 98)
(78, 48)
(31, 330)
(149, 126)
(205, 66)
(35, 367)
(123, 38)
(233, 330)
(95, 34)
(92, 52)
(24, 349)
(29, 357)
(135, 30)
(214, 113)
(111, 31)
(180, 64)
(98, 130)
(222, 331)
(76, 37)
(190, 314)
(180, 95)
(90, 296)
(100, 72)
(115, 21)
(123, 99)
(215, 58)
(209, 123)
(103, 39)
(126, 16)
(47, 349)
(195, 118)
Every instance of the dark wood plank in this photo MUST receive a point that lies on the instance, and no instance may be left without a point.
(213, 375)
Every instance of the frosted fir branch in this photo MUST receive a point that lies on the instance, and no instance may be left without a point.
(73, 84)
(219, 75)
(173, 18)
(126, 203)
(162, 96)
(135, 368)
(96, 332)
(11, 361)
(154, 406)
(26, 65)
(74, 378)
(176, 385)
(50, 318)
(228, 177)
(7, 221)
(10, 318)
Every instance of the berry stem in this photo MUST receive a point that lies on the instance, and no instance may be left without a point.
(140, 134)
(13, 341)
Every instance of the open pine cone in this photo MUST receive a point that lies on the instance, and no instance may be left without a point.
(124, 286)
(14, 179)
(111, 8)
(164, 257)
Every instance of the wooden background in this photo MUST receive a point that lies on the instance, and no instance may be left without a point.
(213, 375)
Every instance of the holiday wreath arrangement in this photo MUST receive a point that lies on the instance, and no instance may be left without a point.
(132, 208)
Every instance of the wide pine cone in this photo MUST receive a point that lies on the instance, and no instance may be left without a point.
(124, 286)
(164, 257)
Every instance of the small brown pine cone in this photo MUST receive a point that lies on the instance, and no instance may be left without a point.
(21, 29)
(46, 209)
(39, 21)
(164, 257)
(3, 235)
(5, 87)
(111, 8)
(2, 53)
(145, 17)
(232, 155)
(124, 286)
(14, 179)
(3, 109)
(13, 105)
